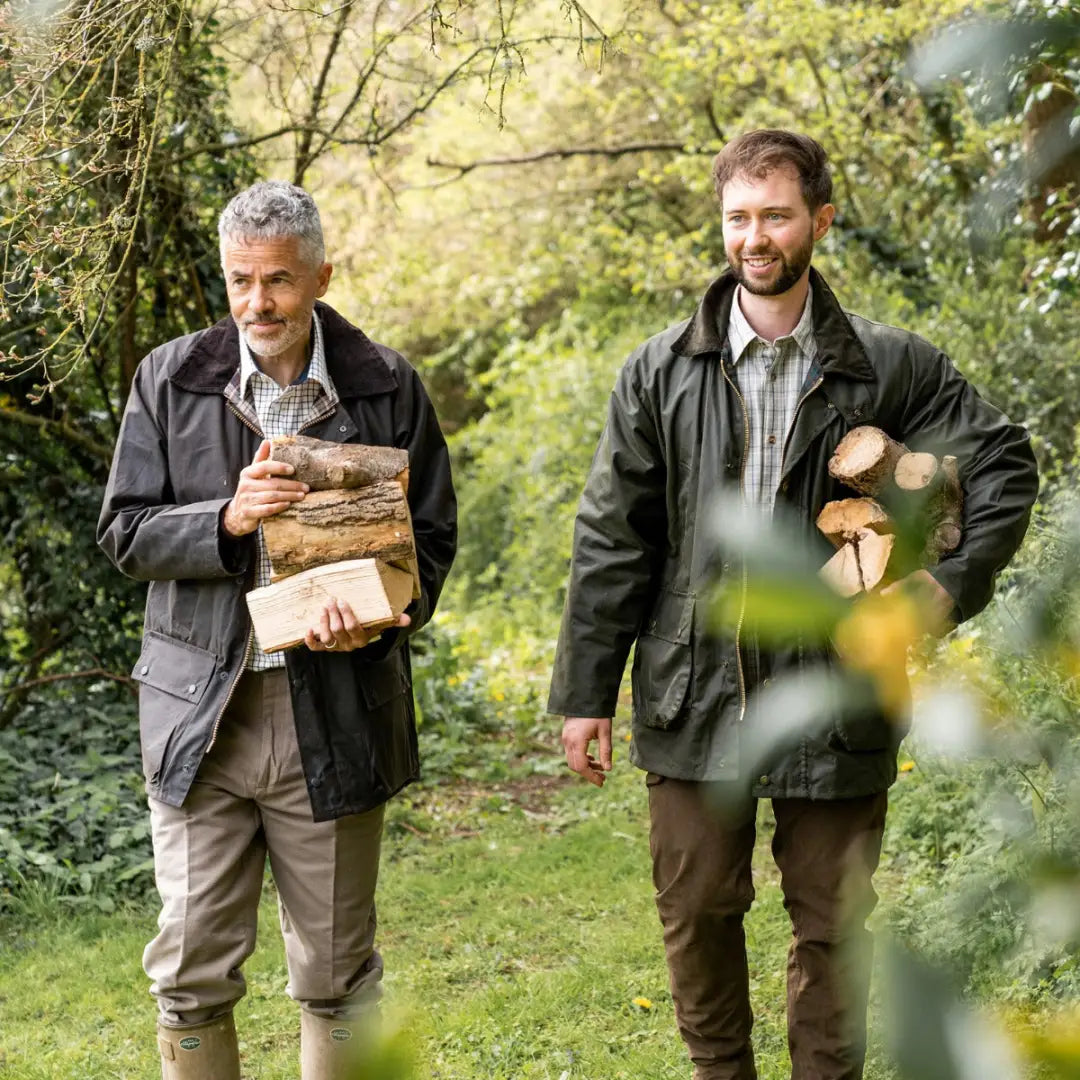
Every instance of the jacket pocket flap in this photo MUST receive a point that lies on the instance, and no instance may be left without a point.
(382, 681)
(672, 618)
(174, 667)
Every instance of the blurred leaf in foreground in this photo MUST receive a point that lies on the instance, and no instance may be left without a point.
(930, 1033)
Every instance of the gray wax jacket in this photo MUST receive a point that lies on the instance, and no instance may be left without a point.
(675, 436)
(176, 465)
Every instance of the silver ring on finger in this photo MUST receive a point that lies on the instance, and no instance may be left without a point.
(332, 644)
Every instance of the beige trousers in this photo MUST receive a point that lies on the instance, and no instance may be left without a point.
(250, 801)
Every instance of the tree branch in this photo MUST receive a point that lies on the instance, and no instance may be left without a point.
(303, 149)
(567, 152)
(62, 428)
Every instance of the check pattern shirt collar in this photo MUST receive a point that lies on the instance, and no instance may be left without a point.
(274, 411)
(771, 376)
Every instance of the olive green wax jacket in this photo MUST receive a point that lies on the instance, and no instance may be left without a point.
(642, 561)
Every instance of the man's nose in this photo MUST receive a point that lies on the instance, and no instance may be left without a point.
(259, 299)
(755, 236)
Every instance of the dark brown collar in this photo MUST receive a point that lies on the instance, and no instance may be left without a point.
(352, 359)
(839, 349)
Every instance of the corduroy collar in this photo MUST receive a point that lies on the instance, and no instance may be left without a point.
(354, 364)
(838, 347)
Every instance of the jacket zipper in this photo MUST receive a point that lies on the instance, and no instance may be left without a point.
(248, 648)
(251, 629)
(742, 601)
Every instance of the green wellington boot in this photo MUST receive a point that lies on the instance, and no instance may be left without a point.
(205, 1052)
(328, 1047)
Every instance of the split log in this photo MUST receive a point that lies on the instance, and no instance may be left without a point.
(841, 572)
(324, 465)
(862, 564)
(282, 613)
(843, 519)
(865, 460)
(329, 526)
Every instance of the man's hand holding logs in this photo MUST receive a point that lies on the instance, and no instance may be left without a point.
(263, 491)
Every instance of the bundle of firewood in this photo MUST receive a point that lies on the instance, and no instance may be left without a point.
(350, 538)
(920, 490)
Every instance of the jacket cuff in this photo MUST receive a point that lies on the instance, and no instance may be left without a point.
(234, 551)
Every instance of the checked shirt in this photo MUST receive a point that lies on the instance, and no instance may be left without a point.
(274, 411)
(771, 376)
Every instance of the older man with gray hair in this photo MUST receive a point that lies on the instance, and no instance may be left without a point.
(249, 756)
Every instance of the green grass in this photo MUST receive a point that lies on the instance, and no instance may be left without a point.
(517, 928)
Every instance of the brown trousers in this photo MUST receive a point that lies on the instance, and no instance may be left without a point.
(250, 801)
(827, 852)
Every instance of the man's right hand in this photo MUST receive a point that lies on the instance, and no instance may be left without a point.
(577, 733)
(260, 493)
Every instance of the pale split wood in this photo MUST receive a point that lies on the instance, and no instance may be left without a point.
(861, 564)
(324, 465)
(865, 459)
(874, 552)
(841, 572)
(283, 612)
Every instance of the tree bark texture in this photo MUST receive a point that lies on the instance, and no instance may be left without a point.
(324, 465)
(329, 526)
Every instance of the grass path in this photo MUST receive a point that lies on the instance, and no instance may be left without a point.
(517, 931)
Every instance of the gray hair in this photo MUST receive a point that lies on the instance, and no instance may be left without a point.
(272, 209)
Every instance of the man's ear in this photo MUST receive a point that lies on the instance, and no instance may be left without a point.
(323, 278)
(823, 220)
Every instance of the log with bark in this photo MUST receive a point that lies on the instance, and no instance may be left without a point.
(329, 526)
(923, 493)
(283, 613)
(935, 486)
(350, 538)
(844, 519)
(324, 465)
(865, 459)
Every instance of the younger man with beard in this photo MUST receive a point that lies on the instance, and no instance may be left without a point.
(756, 390)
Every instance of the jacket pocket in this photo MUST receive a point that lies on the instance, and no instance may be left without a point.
(663, 661)
(173, 678)
(382, 681)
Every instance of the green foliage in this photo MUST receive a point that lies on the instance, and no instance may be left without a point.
(73, 820)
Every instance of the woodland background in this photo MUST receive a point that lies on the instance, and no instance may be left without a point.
(514, 195)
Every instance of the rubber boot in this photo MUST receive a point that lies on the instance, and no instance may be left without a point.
(205, 1052)
(328, 1047)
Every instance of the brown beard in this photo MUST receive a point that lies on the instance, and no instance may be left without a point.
(790, 271)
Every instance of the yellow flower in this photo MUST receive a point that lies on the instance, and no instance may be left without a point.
(643, 1003)
(628, 737)
(907, 766)
(499, 695)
